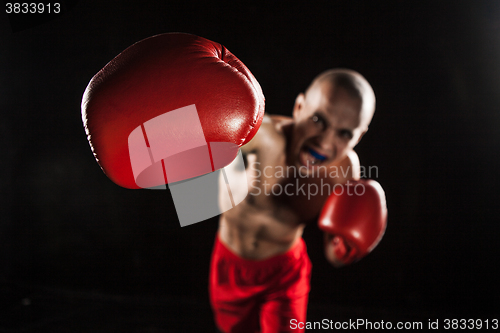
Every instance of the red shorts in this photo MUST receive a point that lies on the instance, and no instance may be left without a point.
(259, 295)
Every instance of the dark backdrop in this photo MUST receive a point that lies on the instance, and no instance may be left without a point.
(78, 253)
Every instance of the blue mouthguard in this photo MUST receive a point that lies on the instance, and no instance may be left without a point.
(316, 155)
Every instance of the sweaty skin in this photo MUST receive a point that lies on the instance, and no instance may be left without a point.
(290, 154)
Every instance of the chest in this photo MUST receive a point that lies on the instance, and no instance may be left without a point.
(276, 187)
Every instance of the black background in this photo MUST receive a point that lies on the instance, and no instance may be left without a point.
(80, 254)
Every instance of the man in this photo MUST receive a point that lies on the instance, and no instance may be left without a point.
(175, 106)
(260, 270)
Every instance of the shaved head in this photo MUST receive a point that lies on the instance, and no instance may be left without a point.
(330, 118)
(354, 84)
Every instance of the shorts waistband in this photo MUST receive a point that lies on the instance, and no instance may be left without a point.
(294, 253)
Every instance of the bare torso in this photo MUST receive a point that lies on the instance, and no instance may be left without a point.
(280, 202)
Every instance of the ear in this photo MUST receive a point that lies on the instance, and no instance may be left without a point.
(299, 105)
(363, 133)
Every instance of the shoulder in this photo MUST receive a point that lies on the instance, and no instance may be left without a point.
(280, 120)
(348, 168)
(271, 132)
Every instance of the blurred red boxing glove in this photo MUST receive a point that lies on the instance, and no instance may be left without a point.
(169, 108)
(354, 220)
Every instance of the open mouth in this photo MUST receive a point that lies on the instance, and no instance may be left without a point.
(310, 157)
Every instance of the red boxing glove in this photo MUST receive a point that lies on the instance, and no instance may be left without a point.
(169, 108)
(354, 221)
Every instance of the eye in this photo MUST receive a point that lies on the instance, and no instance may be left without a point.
(318, 120)
(346, 134)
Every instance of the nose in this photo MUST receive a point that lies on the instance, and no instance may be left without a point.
(327, 140)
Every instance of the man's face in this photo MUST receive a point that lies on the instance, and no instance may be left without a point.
(328, 124)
